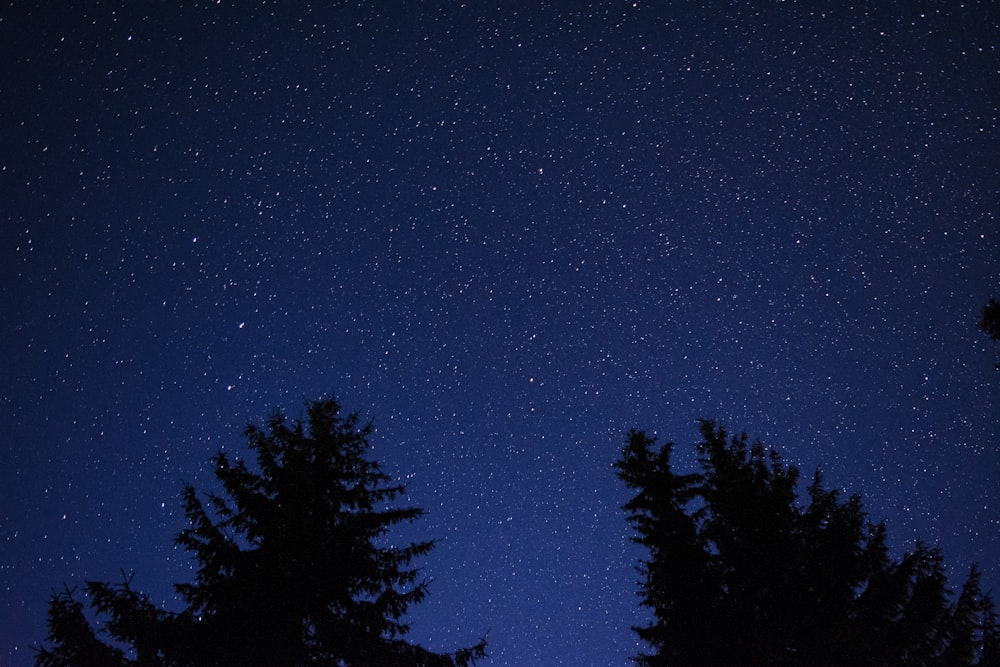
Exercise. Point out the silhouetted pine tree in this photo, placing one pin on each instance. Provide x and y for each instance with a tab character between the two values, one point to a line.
290	567
76	643
739	573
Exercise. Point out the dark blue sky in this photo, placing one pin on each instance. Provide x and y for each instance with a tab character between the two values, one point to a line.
506	235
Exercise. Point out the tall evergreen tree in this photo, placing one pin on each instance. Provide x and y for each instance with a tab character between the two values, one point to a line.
291	567
740	572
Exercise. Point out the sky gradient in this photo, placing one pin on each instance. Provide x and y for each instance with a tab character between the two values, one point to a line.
505	233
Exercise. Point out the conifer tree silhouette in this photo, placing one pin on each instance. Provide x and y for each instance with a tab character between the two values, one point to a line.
740	573
291	570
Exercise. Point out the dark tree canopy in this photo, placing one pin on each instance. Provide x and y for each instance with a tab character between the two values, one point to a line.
741	573
291	571
989	321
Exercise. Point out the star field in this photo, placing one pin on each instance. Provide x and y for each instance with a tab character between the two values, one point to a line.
506	235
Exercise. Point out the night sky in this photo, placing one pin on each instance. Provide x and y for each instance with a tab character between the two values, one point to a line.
505	233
